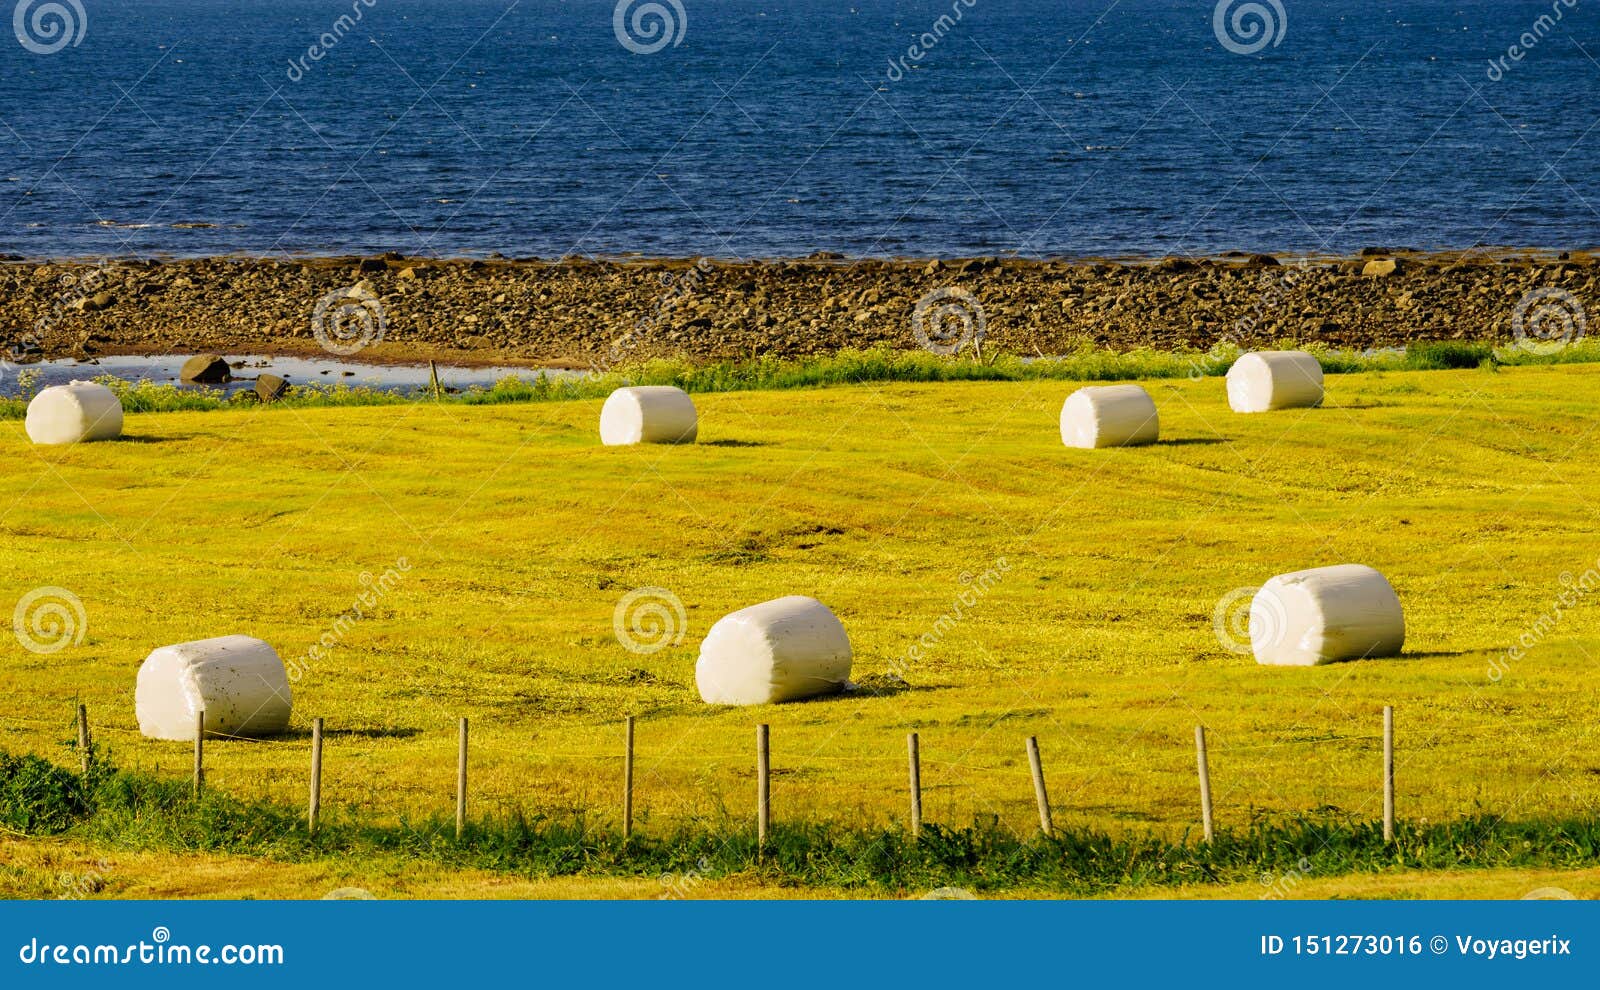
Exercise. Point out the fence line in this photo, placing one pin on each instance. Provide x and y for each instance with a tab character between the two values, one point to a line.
763	774
67	724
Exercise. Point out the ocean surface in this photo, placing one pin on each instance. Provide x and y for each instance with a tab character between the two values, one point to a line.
755	128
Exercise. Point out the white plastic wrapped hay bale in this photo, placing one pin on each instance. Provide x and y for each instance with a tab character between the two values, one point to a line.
238	681
782	650
648	414
1265	380
74	413
1326	614
1109	416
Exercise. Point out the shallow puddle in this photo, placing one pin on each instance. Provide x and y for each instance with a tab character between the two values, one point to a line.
163	369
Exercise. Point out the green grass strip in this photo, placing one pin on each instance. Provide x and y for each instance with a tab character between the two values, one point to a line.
138	811
844	368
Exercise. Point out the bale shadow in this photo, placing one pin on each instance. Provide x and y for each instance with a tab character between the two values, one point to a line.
1194	441
145	438
392	733
872	686
880	686
1431	654
734	443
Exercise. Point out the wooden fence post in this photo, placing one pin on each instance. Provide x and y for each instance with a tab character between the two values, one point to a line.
199	752
763	784
1388	773
83	738
627	783
914	763
1039	792
1205	782
315	810
461	782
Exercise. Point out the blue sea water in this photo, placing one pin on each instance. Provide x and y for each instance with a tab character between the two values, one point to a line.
761	128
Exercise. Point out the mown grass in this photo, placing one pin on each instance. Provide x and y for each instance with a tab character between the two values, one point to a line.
844	368
119	810
1472	490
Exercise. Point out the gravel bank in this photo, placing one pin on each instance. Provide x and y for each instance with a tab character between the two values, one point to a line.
588	312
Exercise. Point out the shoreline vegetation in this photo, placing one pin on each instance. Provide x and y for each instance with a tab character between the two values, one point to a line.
850	367
612	312
117	809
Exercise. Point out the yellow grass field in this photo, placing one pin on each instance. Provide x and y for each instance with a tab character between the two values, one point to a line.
1090	580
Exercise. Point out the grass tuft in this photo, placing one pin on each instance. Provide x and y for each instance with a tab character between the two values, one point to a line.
39	798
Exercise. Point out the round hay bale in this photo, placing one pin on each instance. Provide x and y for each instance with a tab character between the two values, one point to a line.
74	413
1265	380
1326	614
648	414
238	681
1109	416
781	650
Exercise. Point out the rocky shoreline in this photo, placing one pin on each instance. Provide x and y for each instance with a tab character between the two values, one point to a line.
586	313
